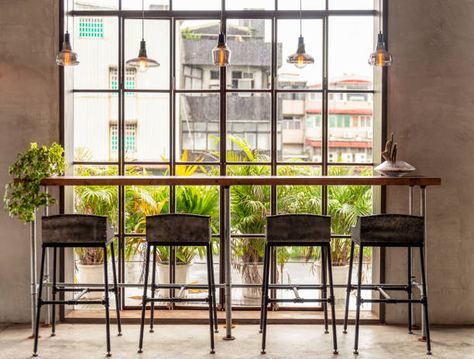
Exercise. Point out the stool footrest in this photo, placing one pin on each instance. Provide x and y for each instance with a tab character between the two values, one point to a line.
297	286
179	286
392	301
402	287
299	300
175	299
72	302
80	289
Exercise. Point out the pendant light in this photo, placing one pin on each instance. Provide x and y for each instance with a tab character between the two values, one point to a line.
142	62
380	57
67	57
221	53
300	59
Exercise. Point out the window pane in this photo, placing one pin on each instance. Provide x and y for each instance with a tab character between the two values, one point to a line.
298	199
157	44
299	122
250	4
351	126
95	39
149	112
289	76
351	4
94	5
149	5
248	127
305	4
196	5
195	40
350	38
250	43
197	132
95	113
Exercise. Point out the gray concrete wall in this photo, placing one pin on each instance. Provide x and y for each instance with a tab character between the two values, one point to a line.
28	113
431	112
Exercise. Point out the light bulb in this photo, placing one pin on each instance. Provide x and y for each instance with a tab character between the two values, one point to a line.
380	57
221	53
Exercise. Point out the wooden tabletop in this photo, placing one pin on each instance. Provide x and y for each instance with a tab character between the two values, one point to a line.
239	180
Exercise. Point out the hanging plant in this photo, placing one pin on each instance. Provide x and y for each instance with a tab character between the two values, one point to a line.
23	195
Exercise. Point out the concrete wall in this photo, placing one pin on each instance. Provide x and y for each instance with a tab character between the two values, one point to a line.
431	112
28	112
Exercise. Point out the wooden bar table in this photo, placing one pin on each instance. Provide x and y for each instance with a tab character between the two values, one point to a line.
225	182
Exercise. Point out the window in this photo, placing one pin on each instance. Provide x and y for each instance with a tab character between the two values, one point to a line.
130	138
177	119
192	78
91	28
242	80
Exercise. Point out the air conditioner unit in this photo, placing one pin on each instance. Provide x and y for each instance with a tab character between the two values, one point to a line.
347	157
360	157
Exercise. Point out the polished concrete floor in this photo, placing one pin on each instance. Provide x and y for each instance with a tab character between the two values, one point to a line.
192	341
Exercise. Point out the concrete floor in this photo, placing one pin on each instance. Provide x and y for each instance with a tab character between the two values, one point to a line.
192	341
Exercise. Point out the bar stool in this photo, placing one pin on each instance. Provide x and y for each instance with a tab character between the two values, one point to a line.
388	230
74	231
175	230
298	230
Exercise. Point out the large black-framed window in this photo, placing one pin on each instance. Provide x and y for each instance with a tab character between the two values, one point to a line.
312	122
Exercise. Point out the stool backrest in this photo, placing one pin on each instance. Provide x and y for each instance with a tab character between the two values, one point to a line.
304	229
178	229
76	228
392	229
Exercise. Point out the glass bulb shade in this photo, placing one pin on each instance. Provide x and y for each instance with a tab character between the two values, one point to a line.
300	58
221	53
142	62
66	57
380	57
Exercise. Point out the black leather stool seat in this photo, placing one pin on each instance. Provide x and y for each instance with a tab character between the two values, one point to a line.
178	229
77	228
389	230
298	228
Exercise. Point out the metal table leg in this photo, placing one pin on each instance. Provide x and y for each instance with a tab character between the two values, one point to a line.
47	274
423	214
411	209
227	265
33	274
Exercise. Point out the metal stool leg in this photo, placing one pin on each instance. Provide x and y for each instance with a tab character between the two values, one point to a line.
265	296
116	290
214	297
53	313
333	304
425	301
409	292
264	280
39	303
153	283
348	289
144	298
107	302
359	284
210	295
324	292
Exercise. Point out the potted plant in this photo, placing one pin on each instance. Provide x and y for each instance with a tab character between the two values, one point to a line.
24	195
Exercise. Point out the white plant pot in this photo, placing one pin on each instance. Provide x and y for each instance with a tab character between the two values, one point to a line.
91	273
181	276
339	274
252	294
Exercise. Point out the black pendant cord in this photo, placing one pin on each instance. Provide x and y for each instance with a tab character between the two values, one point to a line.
380	16
301	19
67	15
222	21
143	20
